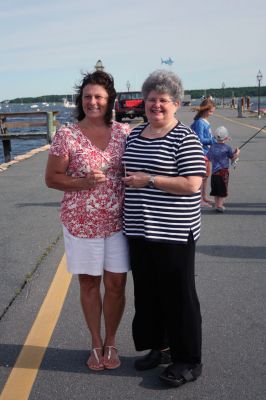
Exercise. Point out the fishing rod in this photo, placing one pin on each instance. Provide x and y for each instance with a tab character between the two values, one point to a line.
246	142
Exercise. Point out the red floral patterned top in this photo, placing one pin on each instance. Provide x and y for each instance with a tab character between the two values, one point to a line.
95	212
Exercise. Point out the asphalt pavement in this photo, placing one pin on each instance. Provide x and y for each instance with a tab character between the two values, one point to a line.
230	277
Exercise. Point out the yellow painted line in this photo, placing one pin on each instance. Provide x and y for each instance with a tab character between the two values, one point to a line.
24	372
238	122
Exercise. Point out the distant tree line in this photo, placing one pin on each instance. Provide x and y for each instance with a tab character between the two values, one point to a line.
228	92
53	98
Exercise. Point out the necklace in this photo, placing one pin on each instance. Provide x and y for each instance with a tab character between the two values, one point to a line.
164	129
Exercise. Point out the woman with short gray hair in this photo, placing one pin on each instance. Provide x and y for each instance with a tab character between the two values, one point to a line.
163	82
164	166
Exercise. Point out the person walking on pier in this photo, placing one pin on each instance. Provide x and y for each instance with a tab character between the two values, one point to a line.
220	155
202	127
85	163
164	164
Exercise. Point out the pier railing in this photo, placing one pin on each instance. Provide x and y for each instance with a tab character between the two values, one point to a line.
46	119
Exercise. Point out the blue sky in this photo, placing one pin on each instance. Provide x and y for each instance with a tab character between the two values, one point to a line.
46	45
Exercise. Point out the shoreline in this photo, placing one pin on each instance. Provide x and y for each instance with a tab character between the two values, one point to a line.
17	159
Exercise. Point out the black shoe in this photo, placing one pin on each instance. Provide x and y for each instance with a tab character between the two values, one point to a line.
178	374
153	359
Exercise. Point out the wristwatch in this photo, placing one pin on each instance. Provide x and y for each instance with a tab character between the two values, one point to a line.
151	181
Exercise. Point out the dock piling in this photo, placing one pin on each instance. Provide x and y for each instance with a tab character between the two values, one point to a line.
38	119
51	127
6	142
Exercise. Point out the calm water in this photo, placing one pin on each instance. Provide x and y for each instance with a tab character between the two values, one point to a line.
20	146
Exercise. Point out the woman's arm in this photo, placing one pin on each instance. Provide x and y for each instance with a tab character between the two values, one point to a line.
56	177
203	132
176	185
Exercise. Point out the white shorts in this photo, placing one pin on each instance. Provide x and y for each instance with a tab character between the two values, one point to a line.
93	256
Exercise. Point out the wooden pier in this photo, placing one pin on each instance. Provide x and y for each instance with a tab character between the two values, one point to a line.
46	119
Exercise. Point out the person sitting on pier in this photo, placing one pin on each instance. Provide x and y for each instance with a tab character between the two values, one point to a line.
85	163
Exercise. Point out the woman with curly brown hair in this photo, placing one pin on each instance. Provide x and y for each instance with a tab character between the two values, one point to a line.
85	163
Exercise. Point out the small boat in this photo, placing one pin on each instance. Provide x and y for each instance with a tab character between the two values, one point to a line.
34	106
68	104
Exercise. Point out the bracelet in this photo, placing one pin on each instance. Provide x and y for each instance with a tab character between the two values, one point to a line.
151	181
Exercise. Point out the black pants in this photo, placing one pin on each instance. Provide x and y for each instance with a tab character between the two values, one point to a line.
167	309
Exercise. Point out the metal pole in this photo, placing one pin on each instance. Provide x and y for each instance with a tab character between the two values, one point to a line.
223	86
259	100
259	78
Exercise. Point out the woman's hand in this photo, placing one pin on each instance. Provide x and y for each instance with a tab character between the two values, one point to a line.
95	177
181	185
136	179
56	176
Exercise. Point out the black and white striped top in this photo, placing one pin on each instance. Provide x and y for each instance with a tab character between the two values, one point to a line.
153	213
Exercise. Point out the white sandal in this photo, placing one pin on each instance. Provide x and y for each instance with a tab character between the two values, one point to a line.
100	363
110	350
